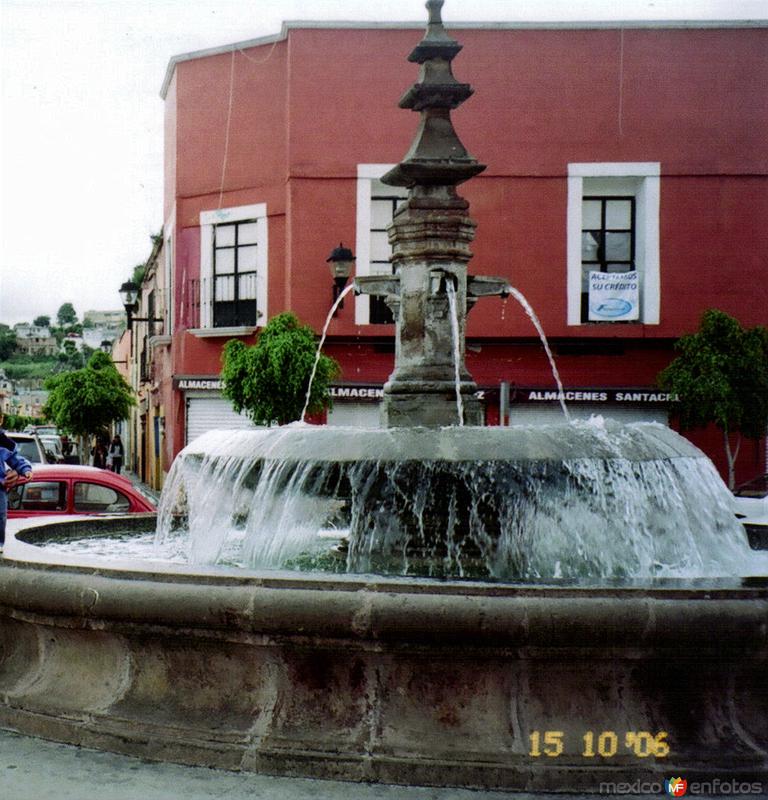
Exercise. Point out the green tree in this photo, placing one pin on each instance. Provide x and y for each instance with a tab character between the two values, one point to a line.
7	342
66	315
88	400
137	276
269	379
721	377
42	321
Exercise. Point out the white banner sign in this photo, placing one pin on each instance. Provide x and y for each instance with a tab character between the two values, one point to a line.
614	296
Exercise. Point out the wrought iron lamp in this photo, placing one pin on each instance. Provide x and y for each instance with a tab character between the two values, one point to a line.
341	261
129	294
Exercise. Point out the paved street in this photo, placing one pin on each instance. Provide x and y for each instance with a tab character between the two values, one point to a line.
32	769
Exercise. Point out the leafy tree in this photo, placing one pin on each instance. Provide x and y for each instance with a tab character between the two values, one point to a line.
137	276
269	380
42	321
721	377
88	400
7	342
66	315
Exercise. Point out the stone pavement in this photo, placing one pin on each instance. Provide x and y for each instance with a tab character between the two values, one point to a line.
34	769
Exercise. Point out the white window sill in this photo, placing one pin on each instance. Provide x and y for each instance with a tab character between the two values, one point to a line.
159	341
210	333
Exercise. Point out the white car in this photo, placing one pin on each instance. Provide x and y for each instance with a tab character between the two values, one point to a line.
29	446
750	504
52	446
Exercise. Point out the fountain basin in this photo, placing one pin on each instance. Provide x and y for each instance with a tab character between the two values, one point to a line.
365	678
585	499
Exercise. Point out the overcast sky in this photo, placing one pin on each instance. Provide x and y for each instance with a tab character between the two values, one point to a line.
81	118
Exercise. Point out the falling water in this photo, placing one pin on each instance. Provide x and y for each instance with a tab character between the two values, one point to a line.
521	298
334	307
575	500
451	291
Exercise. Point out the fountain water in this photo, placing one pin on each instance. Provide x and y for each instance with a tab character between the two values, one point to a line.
603	666
454	312
523	301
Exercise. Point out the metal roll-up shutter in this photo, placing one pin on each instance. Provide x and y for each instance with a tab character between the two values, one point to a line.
355	415
212	413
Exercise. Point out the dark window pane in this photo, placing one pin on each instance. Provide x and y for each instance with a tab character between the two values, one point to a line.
380	313
39	496
234	314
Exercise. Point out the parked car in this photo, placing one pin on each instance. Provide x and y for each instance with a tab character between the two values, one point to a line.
42	430
750	503
70	489
52	445
29	446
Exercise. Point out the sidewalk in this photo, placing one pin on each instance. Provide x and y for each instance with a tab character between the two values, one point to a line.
34	769
145	488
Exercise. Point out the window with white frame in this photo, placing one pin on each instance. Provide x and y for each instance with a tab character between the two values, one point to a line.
376	204
233	267
613	227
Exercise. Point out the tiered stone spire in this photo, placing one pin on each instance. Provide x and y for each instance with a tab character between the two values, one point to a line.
430	237
437	156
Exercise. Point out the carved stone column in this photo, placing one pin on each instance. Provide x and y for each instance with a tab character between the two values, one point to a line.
430	236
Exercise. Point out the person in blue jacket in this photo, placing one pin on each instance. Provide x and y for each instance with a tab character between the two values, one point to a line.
14	469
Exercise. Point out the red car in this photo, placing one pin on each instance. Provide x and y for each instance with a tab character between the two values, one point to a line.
70	489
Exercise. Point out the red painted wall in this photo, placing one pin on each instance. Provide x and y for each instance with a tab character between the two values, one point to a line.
304	112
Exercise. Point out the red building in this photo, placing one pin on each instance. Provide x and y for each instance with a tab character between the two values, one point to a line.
634	148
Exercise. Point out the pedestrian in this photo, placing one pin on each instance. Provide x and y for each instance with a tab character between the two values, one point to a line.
14	470
99	456
116	453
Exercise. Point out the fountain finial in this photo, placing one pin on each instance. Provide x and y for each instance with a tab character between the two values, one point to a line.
436	157
435	30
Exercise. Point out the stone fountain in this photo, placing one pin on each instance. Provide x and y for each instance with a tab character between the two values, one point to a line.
430	237
609	664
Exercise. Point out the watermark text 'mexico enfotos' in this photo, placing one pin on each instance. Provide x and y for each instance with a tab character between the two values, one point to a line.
678	787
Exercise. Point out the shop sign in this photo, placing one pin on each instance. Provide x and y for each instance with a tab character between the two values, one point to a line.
614	296
205	384
615	396
368	393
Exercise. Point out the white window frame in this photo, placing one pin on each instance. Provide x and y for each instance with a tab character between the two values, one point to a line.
641	179
208	220
366	174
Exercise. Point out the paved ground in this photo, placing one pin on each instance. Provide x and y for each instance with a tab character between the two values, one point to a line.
33	769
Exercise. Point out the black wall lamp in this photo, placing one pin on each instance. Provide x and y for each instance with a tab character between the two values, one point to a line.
341	261
129	294
106	347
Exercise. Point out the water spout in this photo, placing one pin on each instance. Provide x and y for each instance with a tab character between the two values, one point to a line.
451	292
521	298
334	307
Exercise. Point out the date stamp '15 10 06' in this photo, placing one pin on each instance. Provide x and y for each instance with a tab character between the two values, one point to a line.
605	744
